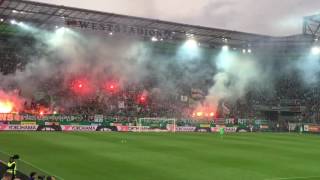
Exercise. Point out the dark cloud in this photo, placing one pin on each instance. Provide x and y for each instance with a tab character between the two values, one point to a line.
272	17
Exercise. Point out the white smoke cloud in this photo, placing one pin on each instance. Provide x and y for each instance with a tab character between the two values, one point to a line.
64	55
237	74
309	69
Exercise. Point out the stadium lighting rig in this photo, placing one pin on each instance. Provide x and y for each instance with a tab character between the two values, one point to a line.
191	43
13	22
61	30
315	50
154	39
189	35
190	49
225	40
225	48
245	51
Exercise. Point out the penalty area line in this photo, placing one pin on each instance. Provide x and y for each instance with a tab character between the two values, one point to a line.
59	178
293	178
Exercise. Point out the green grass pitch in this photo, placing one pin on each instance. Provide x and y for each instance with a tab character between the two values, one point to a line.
169	156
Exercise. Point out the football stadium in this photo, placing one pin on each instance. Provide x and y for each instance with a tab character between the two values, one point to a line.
94	95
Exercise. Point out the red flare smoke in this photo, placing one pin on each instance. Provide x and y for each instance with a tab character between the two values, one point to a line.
9	102
81	86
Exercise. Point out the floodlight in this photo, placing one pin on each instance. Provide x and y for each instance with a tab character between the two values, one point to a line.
225	48
154	39
315	50
13	21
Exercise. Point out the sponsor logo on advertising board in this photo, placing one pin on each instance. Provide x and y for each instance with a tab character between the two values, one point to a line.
264	126
226	129
52	123
202	130
204	125
139	129
121	128
314	128
78	128
48	129
105	129
185	129
18	127
28	123
171	127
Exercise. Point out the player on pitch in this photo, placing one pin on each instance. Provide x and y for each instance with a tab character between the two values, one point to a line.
221	132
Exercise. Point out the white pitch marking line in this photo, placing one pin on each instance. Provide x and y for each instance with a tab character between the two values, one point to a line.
288	178
42	170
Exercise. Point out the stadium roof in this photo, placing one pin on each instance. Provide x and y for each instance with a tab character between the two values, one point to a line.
49	16
45	15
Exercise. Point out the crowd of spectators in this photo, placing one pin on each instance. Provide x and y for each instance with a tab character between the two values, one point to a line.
33	176
136	100
12	56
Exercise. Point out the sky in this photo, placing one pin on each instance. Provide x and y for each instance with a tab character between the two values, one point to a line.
269	17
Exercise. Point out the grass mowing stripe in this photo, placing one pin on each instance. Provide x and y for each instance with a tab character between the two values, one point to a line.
293	178
161	156
32	165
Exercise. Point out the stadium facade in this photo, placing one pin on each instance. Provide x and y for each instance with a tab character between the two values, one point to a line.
262	83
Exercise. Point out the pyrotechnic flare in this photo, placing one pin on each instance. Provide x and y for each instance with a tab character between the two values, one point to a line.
6	106
9	102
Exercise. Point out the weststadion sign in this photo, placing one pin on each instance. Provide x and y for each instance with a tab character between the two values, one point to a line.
120	28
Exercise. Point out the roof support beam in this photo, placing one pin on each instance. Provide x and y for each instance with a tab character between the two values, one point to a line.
311	25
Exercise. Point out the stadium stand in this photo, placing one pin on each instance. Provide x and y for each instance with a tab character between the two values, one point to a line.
128	106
